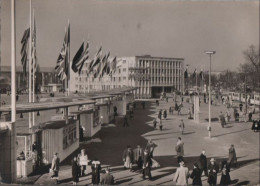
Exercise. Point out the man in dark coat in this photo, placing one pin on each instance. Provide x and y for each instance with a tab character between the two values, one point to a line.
107	178
125	122
196	175
96	168
204	163
179	150
213	171
232	157
138	156
225	176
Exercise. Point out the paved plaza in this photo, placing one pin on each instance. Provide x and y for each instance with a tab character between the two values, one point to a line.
108	146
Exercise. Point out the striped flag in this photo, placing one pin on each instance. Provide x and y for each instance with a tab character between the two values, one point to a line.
96	60
34	57
80	58
62	61
97	70
105	64
24	49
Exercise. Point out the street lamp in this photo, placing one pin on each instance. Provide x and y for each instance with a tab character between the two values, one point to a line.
210	53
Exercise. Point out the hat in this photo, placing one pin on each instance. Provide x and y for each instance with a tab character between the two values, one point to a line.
181	163
56	153
212	159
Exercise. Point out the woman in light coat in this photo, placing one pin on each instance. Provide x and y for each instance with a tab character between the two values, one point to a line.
182	174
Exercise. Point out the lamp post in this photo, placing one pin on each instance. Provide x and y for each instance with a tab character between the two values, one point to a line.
210	53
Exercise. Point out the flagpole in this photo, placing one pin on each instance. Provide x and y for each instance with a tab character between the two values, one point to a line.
196	82
30	66
69	66
13	96
33	80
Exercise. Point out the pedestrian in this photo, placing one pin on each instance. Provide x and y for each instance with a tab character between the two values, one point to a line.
143	103
138	156
125	122
196	175
55	167
160	114
75	171
179	150
83	162
150	147
157	102
96	168
170	110
176	106
250	115
181	175
147	163
213	171
204	163
115	112
160	125
128	158
240	106
181	127
192	108
189	113
107	178
225	176
154	123
165	114
232	157
166	99
222	120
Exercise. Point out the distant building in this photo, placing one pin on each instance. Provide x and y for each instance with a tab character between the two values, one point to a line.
152	75
46	76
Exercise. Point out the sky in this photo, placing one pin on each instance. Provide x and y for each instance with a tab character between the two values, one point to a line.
161	28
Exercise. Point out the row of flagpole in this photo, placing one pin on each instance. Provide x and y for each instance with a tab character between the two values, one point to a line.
195	75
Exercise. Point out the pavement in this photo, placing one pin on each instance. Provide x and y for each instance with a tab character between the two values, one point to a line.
108	146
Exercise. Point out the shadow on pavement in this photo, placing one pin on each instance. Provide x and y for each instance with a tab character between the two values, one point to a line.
231	132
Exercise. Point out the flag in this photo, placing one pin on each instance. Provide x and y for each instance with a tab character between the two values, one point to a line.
186	74
80	58
97	70
113	66
24	49
194	73
34	57
201	75
62	61
105	64
96	60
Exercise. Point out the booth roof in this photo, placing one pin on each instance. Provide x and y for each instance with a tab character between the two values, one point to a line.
32	107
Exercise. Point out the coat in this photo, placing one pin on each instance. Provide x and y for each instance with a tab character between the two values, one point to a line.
180	148
203	161
181	176
213	175
128	153
136	154
232	157
107	179
55	164
75	171
225	177
96	168
196	176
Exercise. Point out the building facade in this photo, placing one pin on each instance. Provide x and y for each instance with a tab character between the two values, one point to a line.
151	75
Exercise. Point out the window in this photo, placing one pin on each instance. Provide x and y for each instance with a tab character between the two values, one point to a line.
124	78
119	70
76	78
124	61
69	135
124	69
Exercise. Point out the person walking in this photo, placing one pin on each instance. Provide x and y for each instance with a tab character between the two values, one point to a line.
181	175
147	163
225	176
232	157
154	123
75	171
125	121
160	125
204	163
107	178
250	115
165	114
55	167
181	127
189	114
160	114
170	110
240	106
213	171
143	103
196	175
128	157
96	168
138	156
179	150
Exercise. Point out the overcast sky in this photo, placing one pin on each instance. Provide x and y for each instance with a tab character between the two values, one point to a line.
181	29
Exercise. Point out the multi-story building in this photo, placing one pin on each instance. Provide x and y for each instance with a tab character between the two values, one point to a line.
151	75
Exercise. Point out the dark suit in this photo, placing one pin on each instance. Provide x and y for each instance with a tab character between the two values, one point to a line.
204	164
107	179
138	156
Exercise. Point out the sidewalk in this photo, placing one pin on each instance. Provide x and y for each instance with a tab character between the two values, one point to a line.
109	143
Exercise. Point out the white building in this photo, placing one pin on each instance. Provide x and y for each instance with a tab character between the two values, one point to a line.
152	75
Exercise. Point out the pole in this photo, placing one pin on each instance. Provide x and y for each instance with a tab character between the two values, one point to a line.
210	95
33	75
196	82
30	66
13	94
